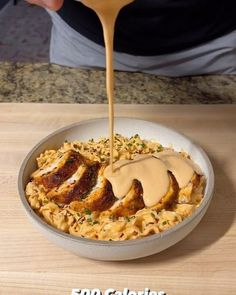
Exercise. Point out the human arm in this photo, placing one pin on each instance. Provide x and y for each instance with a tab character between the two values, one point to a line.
50	4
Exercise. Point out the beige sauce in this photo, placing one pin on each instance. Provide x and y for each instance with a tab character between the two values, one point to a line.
182	168
151	171
107	11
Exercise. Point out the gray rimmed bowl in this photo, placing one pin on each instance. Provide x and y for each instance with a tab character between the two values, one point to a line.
123	250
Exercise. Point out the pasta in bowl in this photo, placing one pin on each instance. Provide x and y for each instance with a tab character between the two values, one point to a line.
70	192
84	210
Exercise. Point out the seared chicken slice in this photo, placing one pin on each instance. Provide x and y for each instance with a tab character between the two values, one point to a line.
78	186
75	180
100	198
187	194
131	203
169	199
59	171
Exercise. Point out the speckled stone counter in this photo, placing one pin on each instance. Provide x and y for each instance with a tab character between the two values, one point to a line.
55	84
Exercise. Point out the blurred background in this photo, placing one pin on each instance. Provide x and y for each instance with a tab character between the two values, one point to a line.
24	32
27	76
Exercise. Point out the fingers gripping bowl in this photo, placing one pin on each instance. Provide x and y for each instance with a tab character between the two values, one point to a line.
117	249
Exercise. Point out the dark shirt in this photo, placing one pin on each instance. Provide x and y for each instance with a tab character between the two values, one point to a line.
155	27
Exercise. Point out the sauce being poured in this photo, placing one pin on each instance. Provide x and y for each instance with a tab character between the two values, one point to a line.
150	170
107	11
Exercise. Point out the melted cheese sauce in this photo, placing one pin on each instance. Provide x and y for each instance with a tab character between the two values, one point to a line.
151	171
107	11
182	168
145	168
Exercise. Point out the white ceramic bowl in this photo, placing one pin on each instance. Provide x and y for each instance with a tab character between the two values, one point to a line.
123	250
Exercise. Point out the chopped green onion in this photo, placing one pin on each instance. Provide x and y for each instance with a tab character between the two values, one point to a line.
87	211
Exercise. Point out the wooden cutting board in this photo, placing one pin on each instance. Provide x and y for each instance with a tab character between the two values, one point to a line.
203	263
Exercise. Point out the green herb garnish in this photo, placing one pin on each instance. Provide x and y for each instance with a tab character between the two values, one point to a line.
153	215
159	149
87	211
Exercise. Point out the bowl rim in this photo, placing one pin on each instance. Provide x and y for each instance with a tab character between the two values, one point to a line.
21	190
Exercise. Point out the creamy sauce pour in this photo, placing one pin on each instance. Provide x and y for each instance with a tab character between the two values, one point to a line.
150	170
107	11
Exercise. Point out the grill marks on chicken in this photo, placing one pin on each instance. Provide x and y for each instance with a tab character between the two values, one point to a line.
75	180
84	185
55	174
78	186
101	198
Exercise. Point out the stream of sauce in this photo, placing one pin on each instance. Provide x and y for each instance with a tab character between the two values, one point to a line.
150	170
107	11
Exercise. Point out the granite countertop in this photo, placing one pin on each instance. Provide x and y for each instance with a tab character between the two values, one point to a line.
41	82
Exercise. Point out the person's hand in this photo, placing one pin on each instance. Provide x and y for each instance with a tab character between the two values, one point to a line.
50	4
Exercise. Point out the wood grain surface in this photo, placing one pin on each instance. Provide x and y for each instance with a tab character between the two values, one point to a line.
203	263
